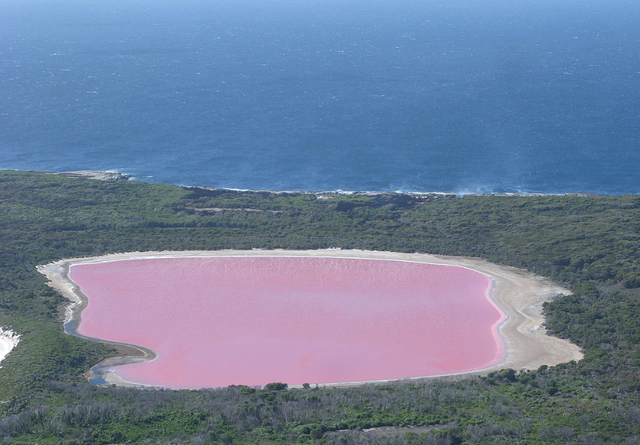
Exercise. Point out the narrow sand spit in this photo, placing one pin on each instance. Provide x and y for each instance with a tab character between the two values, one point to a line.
8	341
518	293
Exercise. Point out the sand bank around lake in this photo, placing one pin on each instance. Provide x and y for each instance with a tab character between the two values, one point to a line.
519	294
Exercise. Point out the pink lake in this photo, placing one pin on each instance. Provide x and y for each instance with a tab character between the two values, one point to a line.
219	321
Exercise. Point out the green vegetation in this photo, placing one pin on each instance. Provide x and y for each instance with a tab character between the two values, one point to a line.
589	243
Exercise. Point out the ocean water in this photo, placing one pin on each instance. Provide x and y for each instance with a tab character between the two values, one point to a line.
457	96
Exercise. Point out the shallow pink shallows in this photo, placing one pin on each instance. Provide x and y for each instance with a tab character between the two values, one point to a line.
254	320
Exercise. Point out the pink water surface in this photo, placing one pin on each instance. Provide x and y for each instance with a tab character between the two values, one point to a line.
254	320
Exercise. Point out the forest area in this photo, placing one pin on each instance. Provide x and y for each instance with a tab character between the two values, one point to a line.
589	244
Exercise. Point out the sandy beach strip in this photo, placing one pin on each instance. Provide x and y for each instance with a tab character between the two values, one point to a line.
518	293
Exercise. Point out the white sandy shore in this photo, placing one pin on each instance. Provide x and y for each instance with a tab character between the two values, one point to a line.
518	293
8	341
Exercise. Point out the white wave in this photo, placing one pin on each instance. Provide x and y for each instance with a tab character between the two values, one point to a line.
8	341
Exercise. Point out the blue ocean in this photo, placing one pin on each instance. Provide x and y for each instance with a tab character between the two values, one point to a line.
530	96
